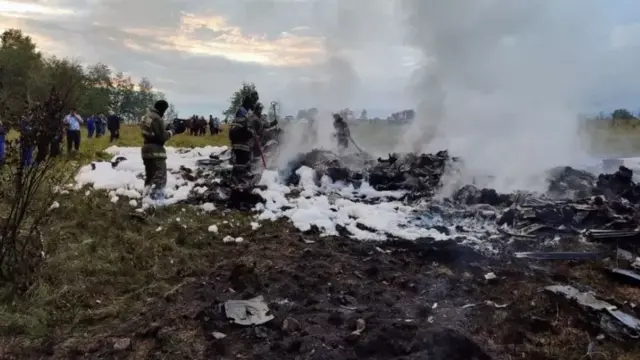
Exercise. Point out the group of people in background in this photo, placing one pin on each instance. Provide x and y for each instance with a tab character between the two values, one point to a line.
72	128
197	125
96	126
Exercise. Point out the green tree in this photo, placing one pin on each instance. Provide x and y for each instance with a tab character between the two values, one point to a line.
144	97
622	114
20	68
66	77
123	96
99	90
235	101
171	113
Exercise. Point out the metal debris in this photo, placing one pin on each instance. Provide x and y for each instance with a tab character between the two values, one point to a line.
626	275
602	234
248	312
582	298
490	276
600	255
588	301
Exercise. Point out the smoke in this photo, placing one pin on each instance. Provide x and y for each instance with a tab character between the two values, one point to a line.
500	83
331	84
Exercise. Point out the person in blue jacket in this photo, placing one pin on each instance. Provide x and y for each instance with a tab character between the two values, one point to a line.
3	133
99	126
91	126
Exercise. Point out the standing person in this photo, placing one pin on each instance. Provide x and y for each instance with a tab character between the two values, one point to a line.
216	125
193	124
26	140
113	124
3	134
99	127
73	122
202	128
241	136
103	124
91	126
211	125
154	155
342	134
56	142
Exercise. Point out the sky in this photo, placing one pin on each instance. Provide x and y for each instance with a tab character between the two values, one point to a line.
344	53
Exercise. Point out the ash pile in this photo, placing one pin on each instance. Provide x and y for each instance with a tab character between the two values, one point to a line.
577	202
418	175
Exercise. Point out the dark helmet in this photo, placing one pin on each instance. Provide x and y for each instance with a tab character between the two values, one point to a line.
161	106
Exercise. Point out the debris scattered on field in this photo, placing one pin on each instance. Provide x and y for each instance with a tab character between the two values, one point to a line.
490	276
628	276
563	255
54	205
213	229
122	344
360	326
589	301
218	335
248	312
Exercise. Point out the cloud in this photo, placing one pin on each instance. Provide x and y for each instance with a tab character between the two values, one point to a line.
298	52
335	53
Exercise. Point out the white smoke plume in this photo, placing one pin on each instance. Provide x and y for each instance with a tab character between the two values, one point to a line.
331	83
501	82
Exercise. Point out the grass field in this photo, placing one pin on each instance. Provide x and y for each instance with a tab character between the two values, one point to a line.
103	263
106	265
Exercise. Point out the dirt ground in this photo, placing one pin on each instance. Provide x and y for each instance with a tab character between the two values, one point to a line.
416	300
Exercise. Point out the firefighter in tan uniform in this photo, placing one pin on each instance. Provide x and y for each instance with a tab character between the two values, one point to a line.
154	156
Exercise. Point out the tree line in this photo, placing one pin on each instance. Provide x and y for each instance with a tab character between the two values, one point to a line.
27	77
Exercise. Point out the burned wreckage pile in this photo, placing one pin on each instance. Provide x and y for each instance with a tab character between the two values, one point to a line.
601	211
418	175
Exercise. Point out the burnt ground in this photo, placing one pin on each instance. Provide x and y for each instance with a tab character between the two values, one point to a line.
415	299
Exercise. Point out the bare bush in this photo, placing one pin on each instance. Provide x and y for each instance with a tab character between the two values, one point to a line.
30	180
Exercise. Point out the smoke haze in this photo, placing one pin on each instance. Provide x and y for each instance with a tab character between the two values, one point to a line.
500	83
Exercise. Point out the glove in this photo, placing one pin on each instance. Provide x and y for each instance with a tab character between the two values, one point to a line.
179	126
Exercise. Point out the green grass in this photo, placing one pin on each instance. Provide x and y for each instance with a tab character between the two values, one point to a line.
103	261
130	136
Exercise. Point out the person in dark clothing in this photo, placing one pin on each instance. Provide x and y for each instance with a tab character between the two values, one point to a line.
154	155
26	141
212	125
55	148
113	124
241	136
342	133
91	126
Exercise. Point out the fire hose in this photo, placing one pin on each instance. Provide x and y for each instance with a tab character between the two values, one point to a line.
355	144
264	162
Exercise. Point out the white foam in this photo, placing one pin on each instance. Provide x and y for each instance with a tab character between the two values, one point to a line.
127	178
367	214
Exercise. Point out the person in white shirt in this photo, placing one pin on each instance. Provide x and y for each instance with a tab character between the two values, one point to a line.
73	122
